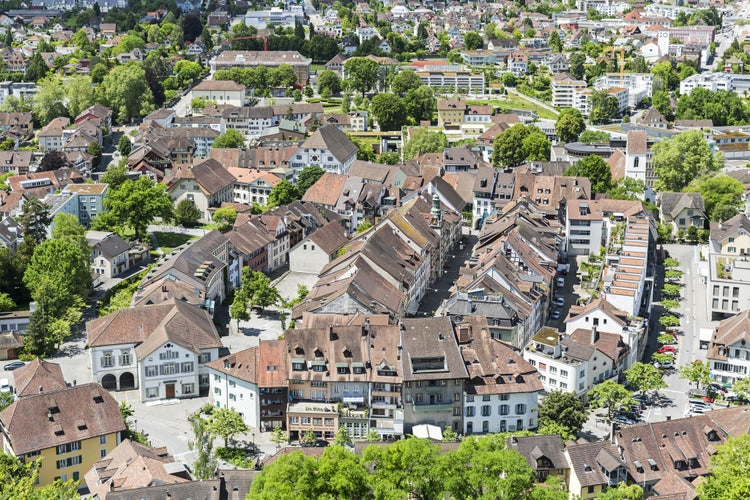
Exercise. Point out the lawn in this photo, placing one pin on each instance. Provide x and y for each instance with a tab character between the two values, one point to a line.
168	241
516	102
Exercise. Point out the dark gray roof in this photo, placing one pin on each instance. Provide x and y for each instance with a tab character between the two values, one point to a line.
196	490
111	246
721	230
535	447
673	203
431	338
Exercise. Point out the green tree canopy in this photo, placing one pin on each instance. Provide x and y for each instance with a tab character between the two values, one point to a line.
564	409
519	144
225	423
224	217
389	110
570	124
307	177
423	140
590	136
697	372
611	395
124	145
604	107
361	73
644	377
329	80
627	188
420	103
596	169
283	193
404	81
136	204
186	213
18	480
722	107
719	192
232	138
730	471
682	158
127	92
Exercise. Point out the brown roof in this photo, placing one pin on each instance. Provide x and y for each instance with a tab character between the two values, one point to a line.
272	354
587	463
326	190
38	376
330	237
431	338
728	332
637	142
330	138
219	85
210	174
242	365
41	421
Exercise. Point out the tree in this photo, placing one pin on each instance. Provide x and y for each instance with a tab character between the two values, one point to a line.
472	41
6	303
663	104
66	225
53	160
672	274
569	124
665	338
670	290
742	388
536	147
124	145
563	408
186	214
191	26
361	73
604	107
671	262
341	474
509	80
669	320
730	471
136	204
308	438
720	192
670	304
307	177
36	69
257	290
34	220
680	159
627	188
622	492
363	226
278	437
115	175
389	110
329	80
18	479
697	372
420	103
127	92
79	94
517	144
232	138
393	478
48	102
596	169
555	42
665	77
225	423
483	468
404	81
290	477
98	73
6	399
95	150
342	437
611	395
238	310
422	140
202	444
594	137
576	62
224	217
282	193
722	107
644	377
187	72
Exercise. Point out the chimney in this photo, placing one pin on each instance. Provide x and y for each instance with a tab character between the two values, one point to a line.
366	327
330	331
594	335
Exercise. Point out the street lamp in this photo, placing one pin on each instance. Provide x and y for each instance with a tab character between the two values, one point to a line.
253	434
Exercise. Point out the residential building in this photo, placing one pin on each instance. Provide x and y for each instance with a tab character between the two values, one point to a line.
220	92
262	19
563	90
252	185
731	237
544	454
271	59
317	250
728	353
110	254
502	390
161	350
451	111
83	201
234	384
207	185
132	465
682	210
14	321
452	80
68	428
11	233
595	468
11	343
327	147
434	374
16	162
638	85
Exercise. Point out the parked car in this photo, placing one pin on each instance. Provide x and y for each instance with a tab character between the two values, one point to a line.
560	282
664	366
666	349
4	385
12	366
718	388
556	314
560	302
621	419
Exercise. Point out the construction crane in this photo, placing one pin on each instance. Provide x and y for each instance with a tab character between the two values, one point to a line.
252	37
622	60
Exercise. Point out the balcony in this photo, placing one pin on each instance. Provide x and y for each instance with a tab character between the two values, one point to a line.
425	408
387	394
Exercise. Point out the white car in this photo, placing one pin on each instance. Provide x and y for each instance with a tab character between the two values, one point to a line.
560	282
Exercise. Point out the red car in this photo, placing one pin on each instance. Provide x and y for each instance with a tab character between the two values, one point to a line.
666	349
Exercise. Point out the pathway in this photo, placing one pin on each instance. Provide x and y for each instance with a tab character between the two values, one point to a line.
539	103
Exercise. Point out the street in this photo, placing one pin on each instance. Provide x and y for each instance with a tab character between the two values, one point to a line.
441	289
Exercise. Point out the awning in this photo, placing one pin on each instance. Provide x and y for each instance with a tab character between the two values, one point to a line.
342	365
318	363
298	360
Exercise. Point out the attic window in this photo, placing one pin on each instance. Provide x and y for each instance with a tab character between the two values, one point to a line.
98	399
652	463
81	425
587	468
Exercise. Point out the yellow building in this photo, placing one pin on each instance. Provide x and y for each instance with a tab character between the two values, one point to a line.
731	237
69	428
594	467
451	111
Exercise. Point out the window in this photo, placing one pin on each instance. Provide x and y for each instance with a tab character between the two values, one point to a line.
486	411
169	355
520	409
187	367
69	462
67	448
203	379
503	409
102	439
553	369
107	360
125	358
298	366
418	398
504	397
102	453
169	368
456	411
486	397
469	411
232	397
152	392
187	389
205	357
469	399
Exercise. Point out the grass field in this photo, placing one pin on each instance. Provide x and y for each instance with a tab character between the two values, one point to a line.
516	102
168	241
